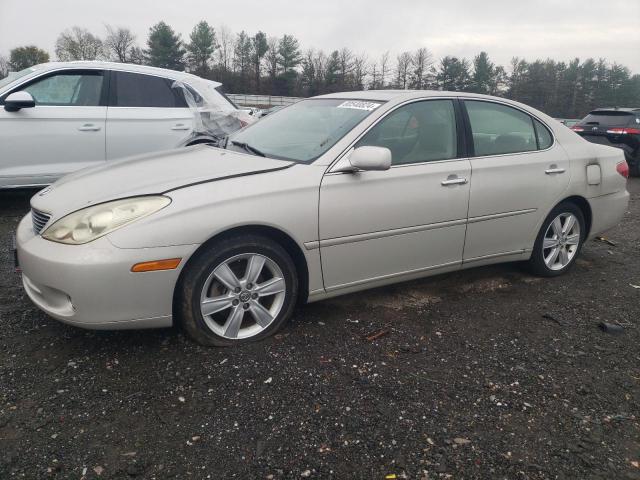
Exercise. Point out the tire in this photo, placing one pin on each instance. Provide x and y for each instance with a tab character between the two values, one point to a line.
544	260
206	286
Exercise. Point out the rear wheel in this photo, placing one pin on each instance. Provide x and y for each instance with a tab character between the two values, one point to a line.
238	290
559	241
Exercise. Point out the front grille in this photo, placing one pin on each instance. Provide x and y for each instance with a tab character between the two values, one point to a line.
40	219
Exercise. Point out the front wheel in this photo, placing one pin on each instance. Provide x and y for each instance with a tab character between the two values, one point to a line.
238	290
559	241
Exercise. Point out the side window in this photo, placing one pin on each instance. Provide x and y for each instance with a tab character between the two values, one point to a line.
499	129
137	90
419	132
68	89
544	136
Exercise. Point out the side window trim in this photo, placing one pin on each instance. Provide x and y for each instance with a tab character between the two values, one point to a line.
468	133
549	131
52	73
461	129
535	133
106	88
111	96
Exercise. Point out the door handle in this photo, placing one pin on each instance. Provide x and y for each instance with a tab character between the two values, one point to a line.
553	169
89	127
180	126
453	181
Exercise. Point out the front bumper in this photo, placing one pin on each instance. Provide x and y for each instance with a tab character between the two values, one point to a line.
92	286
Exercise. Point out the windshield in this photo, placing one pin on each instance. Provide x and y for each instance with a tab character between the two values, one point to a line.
303	131
16	75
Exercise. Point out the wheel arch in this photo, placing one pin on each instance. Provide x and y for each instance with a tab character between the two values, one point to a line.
275	234
584	206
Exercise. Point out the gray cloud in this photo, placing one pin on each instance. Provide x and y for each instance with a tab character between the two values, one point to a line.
504	28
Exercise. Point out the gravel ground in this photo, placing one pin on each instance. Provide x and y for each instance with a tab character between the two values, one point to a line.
483	374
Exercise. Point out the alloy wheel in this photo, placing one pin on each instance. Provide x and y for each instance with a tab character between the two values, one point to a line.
242	296
561	241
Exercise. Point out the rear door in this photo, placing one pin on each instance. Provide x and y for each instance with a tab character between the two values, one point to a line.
64	132
145	114
518	175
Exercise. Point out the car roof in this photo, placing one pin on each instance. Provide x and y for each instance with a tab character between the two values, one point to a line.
388	95
129	67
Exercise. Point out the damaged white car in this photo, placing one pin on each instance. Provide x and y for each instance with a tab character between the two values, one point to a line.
56	118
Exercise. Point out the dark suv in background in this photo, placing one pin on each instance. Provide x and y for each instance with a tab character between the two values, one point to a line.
616	127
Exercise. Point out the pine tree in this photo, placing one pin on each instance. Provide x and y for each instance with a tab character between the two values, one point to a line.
453	74
242	60
259	50
289	53
164	48
483	77
201	47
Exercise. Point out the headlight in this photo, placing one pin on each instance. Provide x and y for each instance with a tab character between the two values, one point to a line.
93	222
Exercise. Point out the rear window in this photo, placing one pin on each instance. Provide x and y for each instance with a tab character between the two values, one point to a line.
611	118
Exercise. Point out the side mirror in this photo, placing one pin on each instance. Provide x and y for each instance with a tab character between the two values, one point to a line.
18	100
370	158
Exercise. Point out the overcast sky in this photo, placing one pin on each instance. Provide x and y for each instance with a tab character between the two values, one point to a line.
560	29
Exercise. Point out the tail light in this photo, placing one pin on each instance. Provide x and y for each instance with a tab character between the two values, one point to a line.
577	129
623	169
624	131
243	123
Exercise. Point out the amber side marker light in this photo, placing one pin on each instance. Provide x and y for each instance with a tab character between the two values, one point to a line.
155	265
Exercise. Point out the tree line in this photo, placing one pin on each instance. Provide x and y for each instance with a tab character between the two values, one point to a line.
262	64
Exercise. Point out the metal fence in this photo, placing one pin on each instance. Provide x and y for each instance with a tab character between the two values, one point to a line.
261	101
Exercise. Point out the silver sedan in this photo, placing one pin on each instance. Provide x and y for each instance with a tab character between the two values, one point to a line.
332	195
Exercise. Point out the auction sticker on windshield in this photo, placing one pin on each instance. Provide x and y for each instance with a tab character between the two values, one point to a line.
359	105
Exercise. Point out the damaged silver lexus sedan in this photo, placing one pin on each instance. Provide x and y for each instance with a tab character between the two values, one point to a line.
332	195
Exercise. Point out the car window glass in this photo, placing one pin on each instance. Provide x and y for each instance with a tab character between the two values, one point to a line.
418	132
499	129
197	98
544	136
137	90
608	118
67	89
305	130
13	76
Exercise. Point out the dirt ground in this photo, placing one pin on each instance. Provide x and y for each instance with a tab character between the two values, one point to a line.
483	374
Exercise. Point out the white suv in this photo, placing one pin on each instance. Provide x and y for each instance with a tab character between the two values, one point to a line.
56	118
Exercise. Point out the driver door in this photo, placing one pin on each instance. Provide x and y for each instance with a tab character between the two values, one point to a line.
64	132
384	226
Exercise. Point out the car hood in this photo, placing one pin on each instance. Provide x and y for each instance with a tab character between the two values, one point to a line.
147	174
